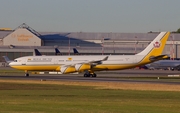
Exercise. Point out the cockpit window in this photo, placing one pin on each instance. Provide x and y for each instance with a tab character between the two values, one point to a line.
15	60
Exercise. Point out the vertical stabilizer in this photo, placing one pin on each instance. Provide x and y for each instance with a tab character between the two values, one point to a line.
37	53
57	52
153	51
75	51
156	47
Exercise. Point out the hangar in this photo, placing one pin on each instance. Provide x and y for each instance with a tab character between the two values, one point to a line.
23	36
22	40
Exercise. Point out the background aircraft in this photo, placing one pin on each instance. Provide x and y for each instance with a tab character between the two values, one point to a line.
165	64
57	52
75	51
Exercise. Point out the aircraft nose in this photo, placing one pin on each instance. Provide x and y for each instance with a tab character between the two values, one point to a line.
11	63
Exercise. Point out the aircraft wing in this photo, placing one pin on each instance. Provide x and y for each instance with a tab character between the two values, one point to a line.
160	57
81	66
88	62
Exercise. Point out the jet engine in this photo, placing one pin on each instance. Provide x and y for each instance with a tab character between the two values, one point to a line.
69	69
82	67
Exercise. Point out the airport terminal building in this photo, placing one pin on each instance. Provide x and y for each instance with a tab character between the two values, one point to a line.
23	40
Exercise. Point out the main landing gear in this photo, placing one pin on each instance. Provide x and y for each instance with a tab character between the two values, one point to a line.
26	74
90	74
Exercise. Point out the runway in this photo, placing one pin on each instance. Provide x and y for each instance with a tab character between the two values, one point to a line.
131	76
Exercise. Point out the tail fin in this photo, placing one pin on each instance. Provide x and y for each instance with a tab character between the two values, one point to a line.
7	59
156	47
37	53
57	51
75	51
153	51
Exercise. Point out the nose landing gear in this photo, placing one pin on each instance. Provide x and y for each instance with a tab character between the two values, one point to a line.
26	73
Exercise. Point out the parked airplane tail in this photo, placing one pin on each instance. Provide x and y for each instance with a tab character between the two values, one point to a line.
57	51
37	53
75	51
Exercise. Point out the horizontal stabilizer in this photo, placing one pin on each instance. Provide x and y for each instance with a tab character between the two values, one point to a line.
160	57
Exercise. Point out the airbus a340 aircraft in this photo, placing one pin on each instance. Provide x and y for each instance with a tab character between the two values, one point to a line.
91	63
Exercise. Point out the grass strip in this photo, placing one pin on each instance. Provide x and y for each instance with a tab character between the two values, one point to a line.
24	96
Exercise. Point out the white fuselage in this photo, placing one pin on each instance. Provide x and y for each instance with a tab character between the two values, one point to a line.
113	62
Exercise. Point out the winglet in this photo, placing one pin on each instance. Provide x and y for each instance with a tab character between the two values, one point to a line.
105	58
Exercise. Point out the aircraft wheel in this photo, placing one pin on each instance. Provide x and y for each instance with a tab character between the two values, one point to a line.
94	75
91	75
172	69
85	75
27	74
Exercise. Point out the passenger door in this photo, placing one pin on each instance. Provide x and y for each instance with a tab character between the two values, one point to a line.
23	62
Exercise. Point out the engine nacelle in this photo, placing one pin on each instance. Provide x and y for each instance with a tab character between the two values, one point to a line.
70	69
82	67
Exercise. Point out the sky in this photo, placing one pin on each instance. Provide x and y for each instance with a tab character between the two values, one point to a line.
121	16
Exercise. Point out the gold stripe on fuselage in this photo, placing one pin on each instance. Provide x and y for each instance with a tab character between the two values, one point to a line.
58	67
38	67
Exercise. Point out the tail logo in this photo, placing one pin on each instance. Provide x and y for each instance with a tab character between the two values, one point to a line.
157	44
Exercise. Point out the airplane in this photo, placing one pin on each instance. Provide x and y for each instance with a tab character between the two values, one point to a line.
165	64
92	63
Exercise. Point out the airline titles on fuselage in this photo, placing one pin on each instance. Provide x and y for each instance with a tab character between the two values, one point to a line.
39	60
